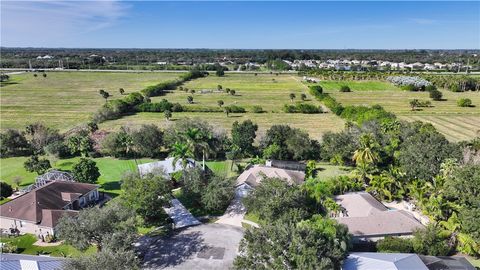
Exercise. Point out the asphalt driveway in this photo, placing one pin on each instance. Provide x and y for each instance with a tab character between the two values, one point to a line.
207	246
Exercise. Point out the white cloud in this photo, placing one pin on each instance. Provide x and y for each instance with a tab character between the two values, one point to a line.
23	22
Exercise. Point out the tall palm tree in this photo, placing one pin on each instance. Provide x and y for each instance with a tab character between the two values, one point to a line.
197	141
366	153
181	151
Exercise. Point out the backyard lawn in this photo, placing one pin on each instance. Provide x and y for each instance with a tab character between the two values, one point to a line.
111	170
25	245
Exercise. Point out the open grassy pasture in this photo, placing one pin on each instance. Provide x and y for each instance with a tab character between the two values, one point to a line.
314	124
454	127
111	170
65	99
456	123
358	85
270	92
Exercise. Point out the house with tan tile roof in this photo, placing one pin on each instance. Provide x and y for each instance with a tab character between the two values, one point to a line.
255	174
38	211
368	219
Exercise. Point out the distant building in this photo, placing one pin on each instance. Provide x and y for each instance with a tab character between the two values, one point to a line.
39	210
369	220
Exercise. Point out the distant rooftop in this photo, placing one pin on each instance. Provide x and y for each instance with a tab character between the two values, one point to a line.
383	261
254	175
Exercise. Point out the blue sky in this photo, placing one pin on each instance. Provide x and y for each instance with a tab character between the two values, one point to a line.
254	25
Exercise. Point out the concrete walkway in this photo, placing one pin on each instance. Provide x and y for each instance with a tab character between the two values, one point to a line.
180	215
234	213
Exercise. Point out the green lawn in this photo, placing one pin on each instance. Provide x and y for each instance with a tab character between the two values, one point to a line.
326	170
222	168
25	245
111	170
65	99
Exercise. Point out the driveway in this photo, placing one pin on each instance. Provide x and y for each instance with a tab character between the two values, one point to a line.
207	246
180	215
236	210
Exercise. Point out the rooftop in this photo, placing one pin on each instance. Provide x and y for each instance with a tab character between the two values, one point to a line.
383	261
254	175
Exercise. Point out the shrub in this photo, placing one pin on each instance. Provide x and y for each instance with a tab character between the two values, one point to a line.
317	89
9	248
159	89
86	171
395	245
155	107
257	109
430	241
236	109
5	190
345	88
464	102
436	95
302	108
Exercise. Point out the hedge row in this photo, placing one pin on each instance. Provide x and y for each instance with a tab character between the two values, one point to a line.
302	108
358	114
158	89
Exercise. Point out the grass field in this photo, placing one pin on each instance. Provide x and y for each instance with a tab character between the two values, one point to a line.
111	170
268	91
65	99
456	123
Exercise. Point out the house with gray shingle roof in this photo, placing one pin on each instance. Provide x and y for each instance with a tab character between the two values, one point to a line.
368	219
30	262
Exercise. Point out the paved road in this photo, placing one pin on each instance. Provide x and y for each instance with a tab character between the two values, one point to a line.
207	246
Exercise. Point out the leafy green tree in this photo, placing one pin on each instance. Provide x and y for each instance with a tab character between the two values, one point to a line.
219	72
273	197
147	195
86	171
147	141
422	154
436	95
39	136
243	136
303	97
395	245
13	143
5	190
345	88
168	114
80	143
219	87
121	91
104	94
414	104
339	148
112	227
232	92
190	99
429	241
117	144
292	97
287	245
218	193
220	103
105	259
35	164
464	102
194	181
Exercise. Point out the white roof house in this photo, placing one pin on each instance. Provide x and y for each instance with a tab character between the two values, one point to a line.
383	261
166	166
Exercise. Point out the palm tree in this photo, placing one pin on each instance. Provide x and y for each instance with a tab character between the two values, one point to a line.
292	97
383	186
197	140
190	99
121	91
219	87
220	103
303	97
181	151
366	154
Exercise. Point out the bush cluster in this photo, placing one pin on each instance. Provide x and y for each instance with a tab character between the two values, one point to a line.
302	108
464	102
161	106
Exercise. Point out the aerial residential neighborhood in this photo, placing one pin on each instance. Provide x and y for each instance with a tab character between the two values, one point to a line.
269	135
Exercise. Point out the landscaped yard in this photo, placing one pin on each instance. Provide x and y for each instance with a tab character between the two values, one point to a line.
326	170
65	99
25	245
111	170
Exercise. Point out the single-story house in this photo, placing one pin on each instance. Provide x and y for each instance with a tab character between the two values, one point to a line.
368	219
38	211
403	261
30	262
255	174
166	167
383	261
446	263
